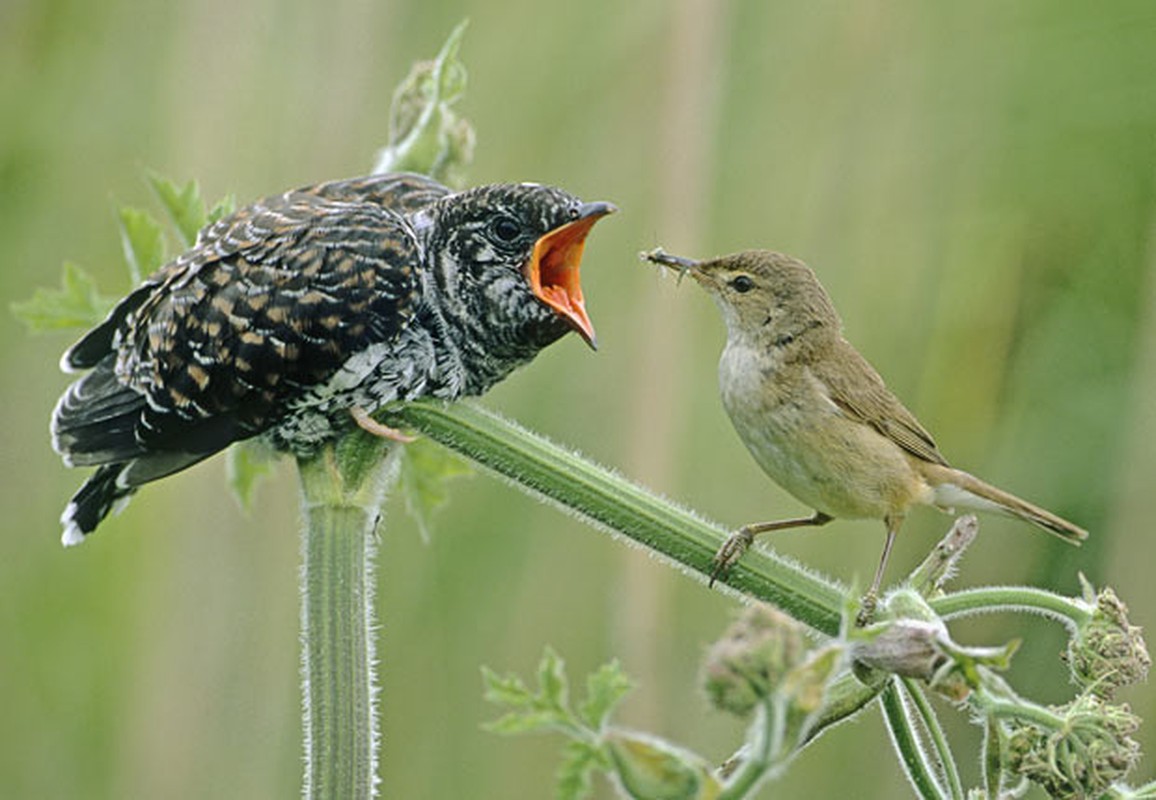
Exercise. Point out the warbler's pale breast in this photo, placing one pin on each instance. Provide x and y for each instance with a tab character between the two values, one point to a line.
785	416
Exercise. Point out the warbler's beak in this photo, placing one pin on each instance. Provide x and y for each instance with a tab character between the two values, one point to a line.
684	266
553	268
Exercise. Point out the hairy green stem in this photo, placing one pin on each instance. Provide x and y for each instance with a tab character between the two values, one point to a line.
1070	612
908	745
609	501
935	732
845	697
342	489
1022	709
760	758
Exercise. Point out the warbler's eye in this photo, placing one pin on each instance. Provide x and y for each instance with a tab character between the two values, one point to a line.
506	229
742	284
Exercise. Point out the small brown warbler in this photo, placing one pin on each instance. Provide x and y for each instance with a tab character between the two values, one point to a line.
818	418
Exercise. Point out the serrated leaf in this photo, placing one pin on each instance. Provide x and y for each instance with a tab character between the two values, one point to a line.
247	464
532	710
426	470
143	242
508	690
579	760
604	688
525	722
77	304
552	680
183	204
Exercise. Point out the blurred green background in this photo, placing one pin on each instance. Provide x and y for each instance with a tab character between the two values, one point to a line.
974	182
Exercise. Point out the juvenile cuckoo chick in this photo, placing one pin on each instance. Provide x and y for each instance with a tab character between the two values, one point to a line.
305	312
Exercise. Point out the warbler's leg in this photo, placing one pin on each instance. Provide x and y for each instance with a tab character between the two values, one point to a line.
871	599
370	425
741	540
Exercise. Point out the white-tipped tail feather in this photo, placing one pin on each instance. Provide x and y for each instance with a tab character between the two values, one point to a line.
72	535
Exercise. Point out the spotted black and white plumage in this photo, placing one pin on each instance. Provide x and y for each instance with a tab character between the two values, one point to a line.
294	310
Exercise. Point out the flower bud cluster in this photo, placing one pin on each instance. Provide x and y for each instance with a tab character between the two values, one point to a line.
1107	652
1090	749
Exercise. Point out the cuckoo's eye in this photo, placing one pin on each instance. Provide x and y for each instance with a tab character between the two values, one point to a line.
742	284
506	229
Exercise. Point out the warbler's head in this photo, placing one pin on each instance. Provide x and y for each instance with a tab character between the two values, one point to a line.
762	294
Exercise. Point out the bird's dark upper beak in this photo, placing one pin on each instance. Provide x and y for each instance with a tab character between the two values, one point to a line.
553	268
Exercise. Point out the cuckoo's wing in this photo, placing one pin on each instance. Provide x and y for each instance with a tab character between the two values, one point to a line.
268	305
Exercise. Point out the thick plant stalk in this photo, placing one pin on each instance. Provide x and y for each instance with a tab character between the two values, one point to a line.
342	491
611	502
343	487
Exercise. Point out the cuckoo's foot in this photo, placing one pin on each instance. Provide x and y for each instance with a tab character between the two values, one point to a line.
370	425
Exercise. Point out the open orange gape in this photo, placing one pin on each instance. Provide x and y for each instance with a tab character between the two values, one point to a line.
553	268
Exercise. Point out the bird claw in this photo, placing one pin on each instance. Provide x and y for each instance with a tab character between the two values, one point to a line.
867	608
731	551
370	425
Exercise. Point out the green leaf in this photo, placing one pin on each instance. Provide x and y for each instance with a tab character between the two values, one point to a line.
552	680
525	722
506	691
604	688
184	206
223	208
578	761
247	464
426	470
77	304
544	709
143	242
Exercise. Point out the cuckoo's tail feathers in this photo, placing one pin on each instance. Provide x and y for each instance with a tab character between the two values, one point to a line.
99	496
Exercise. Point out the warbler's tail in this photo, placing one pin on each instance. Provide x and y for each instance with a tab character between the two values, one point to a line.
954	487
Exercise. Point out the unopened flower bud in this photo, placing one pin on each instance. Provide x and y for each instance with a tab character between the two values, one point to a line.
914	643
904	647
749	662
648	768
